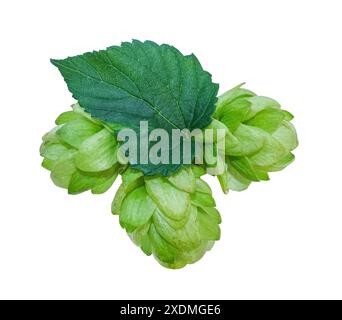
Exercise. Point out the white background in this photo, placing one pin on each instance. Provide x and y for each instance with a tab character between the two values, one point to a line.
280	239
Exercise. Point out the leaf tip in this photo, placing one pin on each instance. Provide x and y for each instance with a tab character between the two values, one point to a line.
54	62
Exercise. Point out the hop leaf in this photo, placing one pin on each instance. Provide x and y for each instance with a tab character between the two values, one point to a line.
172	218
142	81
80	153
259	138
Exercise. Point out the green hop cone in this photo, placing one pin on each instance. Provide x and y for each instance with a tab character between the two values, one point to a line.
259	137
173	218
80	153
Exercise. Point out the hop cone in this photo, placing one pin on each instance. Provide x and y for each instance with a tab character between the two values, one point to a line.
172	218
80	153
259	137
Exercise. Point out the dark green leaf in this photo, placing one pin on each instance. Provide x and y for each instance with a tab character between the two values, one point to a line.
142	81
